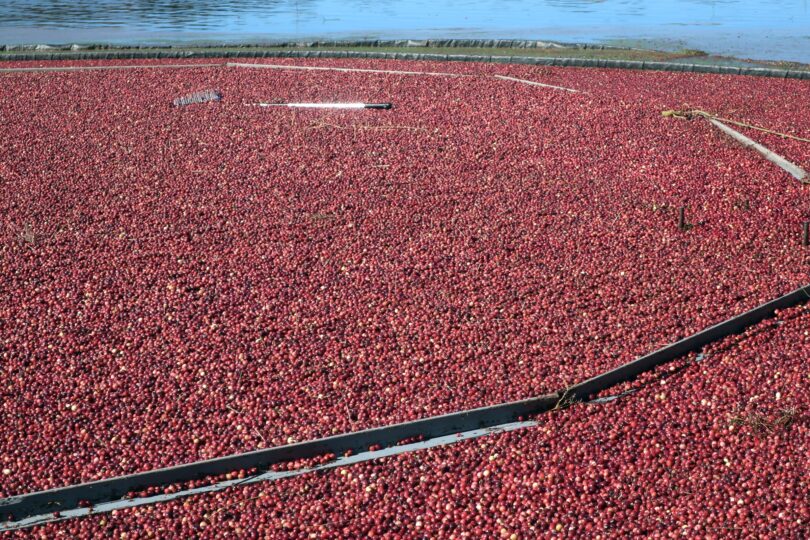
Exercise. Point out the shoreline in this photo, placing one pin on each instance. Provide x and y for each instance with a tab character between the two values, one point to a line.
680	65
450	47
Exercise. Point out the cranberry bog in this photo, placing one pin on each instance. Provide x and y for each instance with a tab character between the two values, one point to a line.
690	450
183	283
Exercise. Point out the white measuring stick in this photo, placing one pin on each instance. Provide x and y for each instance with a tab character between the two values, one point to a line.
329	105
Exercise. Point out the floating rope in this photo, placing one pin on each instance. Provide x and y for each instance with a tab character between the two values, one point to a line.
689	114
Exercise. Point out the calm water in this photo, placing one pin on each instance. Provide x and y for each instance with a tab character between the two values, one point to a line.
765	29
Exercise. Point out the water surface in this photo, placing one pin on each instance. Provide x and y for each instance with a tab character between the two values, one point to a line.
762	29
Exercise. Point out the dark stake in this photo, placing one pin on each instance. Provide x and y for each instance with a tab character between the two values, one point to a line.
682	218
806	233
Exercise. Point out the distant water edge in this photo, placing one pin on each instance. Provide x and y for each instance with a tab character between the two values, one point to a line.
757	29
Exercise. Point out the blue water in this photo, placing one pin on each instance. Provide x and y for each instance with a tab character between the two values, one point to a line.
761	29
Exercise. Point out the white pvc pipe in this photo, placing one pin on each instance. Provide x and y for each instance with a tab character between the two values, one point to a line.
344	70
316	105
105	68
384	106
794	170
533	83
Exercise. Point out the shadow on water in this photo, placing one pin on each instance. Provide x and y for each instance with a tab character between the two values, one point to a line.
773	29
